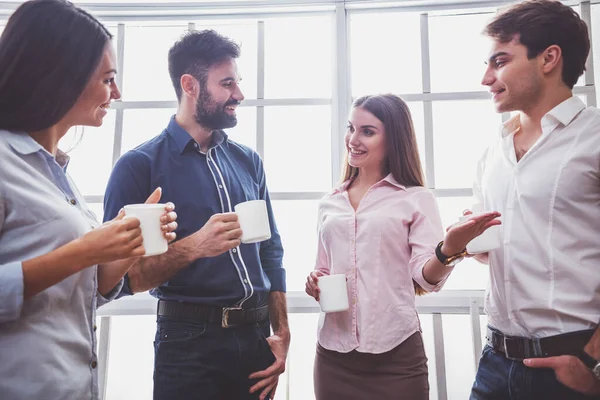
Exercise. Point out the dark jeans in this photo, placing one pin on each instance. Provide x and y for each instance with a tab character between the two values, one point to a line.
204	361
499	378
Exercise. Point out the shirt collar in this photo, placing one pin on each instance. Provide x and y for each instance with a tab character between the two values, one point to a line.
564	113
183	139
24	144
388	179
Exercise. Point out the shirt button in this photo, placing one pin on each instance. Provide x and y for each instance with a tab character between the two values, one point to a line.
234	250
196	145
94	364
73	201
245	280
220	186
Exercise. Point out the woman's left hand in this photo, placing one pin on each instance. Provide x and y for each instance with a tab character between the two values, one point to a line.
167	220
461	233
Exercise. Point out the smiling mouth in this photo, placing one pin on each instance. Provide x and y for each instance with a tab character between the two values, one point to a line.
357	152
105	106
497	92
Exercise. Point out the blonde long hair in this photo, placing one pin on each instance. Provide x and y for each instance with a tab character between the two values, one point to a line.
403	160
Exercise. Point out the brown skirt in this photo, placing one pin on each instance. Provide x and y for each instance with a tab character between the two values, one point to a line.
399	374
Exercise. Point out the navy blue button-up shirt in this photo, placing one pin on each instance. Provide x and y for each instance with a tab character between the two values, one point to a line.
201	185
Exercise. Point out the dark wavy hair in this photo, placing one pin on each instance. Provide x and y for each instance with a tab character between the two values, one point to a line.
195	52
540	24
48	52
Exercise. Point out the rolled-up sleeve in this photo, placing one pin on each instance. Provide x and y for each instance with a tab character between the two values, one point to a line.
11	291
322	264
426	231
110	296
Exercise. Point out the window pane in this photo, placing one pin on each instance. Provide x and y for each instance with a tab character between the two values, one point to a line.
146	73
140	126
469	274
298	57
298	148
98	210
131	357
297	224
91	151
385	51
452	68
301	356
462	131
245	34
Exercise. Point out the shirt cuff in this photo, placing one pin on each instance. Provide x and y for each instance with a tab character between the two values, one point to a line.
420	279
11	291
110	296
277	278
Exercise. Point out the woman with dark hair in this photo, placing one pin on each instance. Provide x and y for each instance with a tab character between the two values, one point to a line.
57	264
380	228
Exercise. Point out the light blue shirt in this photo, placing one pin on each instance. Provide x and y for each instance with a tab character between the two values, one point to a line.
48	342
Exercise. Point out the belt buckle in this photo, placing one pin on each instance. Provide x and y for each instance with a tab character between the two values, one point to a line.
225	316
509	349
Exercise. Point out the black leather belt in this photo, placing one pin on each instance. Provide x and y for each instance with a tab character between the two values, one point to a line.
519	348
227	316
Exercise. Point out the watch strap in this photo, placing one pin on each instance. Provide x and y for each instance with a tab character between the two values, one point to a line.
588	360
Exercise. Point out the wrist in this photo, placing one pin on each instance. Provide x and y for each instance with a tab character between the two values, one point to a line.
284	334
449	251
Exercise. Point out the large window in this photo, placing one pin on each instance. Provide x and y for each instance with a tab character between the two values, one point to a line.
294	63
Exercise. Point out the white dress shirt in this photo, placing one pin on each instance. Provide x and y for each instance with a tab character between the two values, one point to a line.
47	342
545	277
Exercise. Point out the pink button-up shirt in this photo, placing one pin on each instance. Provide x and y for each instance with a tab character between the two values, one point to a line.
381	247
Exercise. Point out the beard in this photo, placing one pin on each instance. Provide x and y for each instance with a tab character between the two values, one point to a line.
212	114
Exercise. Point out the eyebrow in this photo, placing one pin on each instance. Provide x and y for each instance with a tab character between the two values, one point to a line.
365	126
230	78
496	55
110	71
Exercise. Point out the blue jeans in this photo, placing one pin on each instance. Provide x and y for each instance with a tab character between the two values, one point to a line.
499	378
195	360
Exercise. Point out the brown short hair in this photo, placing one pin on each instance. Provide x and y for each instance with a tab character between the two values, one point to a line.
540	24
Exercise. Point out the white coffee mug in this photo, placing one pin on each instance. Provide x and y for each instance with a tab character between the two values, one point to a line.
254	221
149	215
489	240
333	295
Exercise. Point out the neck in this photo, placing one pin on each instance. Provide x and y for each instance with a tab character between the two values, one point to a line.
369	177
531	117
49	138
201	134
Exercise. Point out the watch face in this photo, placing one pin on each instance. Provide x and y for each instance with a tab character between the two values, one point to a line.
596	370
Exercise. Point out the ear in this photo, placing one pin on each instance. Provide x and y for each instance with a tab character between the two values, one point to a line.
551	58
189	85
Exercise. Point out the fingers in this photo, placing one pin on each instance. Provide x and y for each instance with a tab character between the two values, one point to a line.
269	392
130	223
170	236
155	196
466	211
119	216
549	362
170	227
234	234
225	217
265	373
170	216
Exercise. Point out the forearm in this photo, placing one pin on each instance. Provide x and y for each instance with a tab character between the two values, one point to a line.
150	272
434	271
110	274
49	269
278	314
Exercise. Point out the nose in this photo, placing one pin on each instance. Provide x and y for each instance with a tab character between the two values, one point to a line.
237	94
115	93
353	139
488	77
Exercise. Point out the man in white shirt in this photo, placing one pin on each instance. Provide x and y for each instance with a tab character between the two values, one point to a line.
542	174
